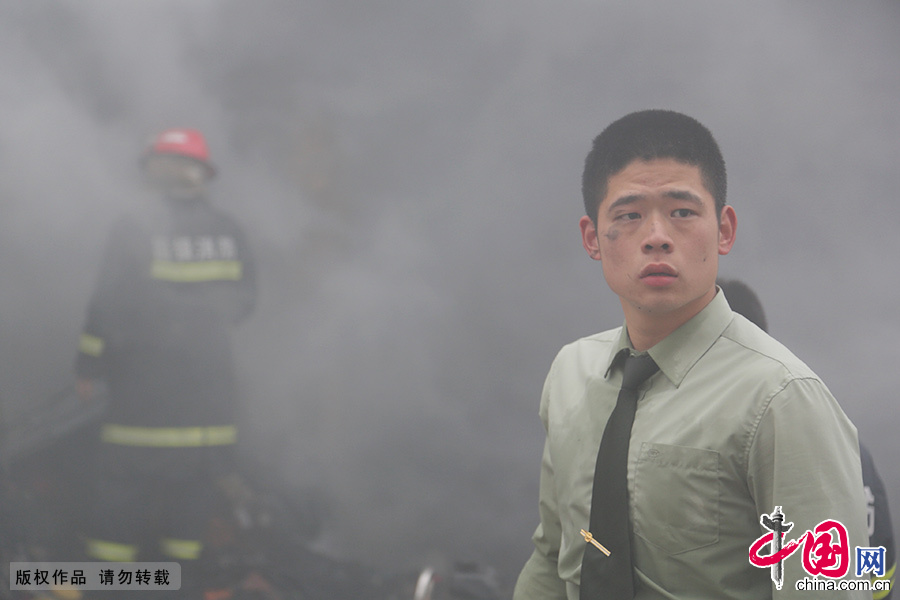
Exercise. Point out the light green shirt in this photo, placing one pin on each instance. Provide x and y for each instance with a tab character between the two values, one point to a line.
732	425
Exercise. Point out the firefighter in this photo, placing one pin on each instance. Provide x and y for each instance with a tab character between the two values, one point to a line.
174	279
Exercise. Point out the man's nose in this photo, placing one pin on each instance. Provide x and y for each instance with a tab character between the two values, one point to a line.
657	237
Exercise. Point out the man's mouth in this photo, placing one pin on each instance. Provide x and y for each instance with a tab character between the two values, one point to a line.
657	270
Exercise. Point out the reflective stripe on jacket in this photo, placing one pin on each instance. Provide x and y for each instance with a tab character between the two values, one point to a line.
168	437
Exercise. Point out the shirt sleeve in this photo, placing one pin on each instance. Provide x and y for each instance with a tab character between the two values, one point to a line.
805	459
539	579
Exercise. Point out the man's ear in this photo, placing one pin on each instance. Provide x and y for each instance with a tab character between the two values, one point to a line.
589	237
727	229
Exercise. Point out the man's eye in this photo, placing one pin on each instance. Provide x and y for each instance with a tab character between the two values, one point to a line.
682	212
629	216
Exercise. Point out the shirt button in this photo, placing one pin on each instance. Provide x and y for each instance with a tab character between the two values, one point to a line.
653	453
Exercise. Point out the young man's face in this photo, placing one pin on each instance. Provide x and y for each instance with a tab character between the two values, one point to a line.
659	239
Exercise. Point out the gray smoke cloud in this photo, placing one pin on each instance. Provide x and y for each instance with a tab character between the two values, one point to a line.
410	175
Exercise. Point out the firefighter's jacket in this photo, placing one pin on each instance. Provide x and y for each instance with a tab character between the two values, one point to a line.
881	531
172	283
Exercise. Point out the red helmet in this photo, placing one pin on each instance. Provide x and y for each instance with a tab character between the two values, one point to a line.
182	142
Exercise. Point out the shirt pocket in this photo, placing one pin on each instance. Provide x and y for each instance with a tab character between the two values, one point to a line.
676	497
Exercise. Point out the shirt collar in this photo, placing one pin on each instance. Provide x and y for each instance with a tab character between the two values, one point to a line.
681	349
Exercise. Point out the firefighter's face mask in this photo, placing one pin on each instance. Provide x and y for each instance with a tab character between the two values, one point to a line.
177	176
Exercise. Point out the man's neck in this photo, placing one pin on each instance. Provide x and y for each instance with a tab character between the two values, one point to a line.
646	329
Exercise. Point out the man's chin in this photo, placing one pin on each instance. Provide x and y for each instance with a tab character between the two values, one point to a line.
666	303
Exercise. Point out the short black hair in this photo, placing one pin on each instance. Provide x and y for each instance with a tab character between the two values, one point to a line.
744	301
648	135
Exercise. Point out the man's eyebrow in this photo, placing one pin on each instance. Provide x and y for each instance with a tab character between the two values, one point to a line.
624	200
673	194
683	195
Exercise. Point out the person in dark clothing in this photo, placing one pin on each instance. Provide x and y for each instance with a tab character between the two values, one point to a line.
174	279
743	300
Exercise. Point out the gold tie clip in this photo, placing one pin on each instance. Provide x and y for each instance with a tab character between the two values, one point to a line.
590	539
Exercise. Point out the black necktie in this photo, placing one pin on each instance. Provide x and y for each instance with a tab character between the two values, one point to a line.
611	577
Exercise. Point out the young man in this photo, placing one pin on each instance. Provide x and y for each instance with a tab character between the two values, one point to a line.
730	426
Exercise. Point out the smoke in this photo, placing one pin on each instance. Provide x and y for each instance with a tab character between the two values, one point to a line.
409	175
